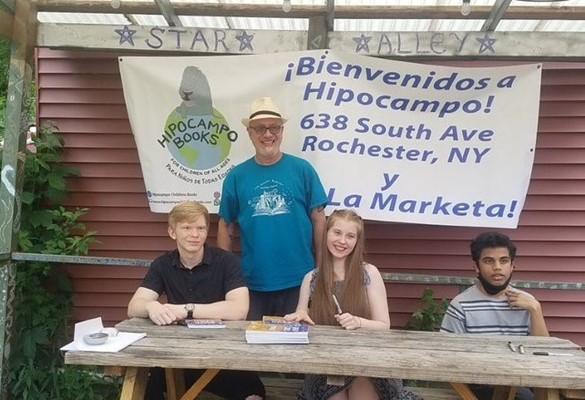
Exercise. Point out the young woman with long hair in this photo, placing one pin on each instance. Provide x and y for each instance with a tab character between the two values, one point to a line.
359	289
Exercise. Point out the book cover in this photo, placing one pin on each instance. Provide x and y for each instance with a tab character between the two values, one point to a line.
276	330
272	320
289	327
204	323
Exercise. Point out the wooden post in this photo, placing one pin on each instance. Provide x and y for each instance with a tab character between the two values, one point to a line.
134	386
200	384
319	28
12	168
463	390
318	34
6	19
175	379
504	393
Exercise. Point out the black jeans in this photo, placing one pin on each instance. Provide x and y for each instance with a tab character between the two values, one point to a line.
231	385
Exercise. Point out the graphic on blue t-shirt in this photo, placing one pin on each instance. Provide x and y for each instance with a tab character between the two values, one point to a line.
274	199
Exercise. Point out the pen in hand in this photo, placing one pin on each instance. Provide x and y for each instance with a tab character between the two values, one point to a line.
337	305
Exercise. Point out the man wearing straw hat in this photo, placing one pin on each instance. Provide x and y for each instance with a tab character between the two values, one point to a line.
278	202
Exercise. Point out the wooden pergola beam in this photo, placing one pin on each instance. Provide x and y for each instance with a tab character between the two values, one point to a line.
304	11
330	14
498	11
168	12
8	6
193	40
18	91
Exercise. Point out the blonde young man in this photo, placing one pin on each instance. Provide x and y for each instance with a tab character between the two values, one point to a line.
199	282
278	201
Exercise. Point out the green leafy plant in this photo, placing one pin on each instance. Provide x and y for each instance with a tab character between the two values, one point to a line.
30	106
430	315
43	291
2	116
4	62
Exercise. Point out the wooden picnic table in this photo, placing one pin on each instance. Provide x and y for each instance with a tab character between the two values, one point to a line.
428	356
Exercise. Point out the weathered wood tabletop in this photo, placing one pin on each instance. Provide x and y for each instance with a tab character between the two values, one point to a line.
395	353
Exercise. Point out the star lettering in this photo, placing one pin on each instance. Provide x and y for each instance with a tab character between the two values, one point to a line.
126	35
245	41
486	43
362	43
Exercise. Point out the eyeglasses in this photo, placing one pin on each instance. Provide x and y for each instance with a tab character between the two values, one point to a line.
260	130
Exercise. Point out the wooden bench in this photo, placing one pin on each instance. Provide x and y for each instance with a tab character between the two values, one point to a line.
287	389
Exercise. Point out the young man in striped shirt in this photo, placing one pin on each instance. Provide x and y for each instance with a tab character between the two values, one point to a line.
492	306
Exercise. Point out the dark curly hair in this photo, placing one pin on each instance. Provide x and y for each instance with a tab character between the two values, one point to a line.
491	240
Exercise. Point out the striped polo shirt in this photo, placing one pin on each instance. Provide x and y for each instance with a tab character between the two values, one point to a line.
476	312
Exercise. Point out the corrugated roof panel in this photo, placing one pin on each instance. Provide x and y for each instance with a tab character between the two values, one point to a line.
269	23
363	25
558	3
150	20
517	26
386	25
543	26
206	22
564	26
81	18
449	25
408	3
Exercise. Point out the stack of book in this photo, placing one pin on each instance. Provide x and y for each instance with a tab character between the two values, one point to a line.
204	323
275	330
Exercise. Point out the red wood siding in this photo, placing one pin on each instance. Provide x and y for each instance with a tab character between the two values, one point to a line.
82	93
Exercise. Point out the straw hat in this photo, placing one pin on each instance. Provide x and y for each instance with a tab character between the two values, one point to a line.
263	107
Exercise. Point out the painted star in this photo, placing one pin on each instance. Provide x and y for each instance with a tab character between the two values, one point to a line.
245	41
486	43
126	35
362	43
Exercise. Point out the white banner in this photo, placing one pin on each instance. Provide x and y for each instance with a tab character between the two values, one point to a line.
397	141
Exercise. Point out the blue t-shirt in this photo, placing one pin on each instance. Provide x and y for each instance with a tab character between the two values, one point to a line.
272	204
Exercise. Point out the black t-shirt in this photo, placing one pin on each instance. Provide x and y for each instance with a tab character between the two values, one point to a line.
208	282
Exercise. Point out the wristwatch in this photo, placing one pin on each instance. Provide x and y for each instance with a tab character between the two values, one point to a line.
190	307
